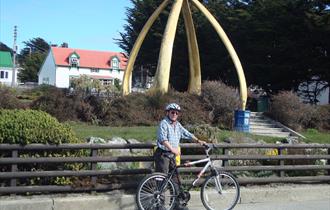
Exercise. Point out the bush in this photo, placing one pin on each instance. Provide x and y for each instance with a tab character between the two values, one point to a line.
194	109
128	111
148	109
287	108
222	101
29	126
321	118
64	107
8	99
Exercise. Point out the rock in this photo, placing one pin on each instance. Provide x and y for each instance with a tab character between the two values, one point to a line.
121	152
293	140
142	152
96	140
218	163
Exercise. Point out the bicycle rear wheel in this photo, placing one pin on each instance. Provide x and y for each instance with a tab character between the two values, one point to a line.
150	196
220	192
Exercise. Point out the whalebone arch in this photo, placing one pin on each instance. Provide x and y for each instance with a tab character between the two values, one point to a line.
161	82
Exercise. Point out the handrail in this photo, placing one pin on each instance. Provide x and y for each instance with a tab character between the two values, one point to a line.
149	146
226	153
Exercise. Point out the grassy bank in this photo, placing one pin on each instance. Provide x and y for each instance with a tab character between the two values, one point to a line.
144	133
314	136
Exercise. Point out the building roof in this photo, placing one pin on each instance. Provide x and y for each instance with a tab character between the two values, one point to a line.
88	58
5	59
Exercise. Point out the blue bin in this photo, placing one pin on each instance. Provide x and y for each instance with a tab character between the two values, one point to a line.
242	120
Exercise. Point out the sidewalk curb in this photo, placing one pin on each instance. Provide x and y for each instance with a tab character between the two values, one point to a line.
116	200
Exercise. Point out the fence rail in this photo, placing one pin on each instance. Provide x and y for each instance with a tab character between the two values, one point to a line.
281	162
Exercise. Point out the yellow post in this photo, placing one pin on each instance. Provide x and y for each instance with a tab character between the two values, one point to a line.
162	76
195	78
137	46
230	48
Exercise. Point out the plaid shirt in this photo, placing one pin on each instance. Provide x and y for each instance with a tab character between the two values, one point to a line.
167	131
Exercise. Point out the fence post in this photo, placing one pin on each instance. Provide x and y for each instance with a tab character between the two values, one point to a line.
328	162
225	152
280	152
94	153
13	181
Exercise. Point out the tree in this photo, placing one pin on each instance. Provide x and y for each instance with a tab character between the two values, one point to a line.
137	16
4	47
31	59
30	67
280	43
283	46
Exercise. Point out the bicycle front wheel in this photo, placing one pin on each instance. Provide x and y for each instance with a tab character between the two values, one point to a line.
220	192
152	193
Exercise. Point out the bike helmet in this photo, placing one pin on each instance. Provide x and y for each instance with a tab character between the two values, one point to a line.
173	106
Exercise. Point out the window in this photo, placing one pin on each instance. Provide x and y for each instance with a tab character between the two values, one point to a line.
115	63
2	74
74	60
6	75
95	70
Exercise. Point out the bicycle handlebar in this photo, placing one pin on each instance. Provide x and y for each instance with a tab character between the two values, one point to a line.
207	148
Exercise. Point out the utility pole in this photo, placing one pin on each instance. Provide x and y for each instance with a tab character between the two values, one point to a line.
13	82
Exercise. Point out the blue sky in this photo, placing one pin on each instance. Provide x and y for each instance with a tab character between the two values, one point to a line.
83	24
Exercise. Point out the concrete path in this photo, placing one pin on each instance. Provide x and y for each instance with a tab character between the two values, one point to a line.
270	197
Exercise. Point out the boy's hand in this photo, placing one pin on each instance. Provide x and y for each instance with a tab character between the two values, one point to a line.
175	151
201	142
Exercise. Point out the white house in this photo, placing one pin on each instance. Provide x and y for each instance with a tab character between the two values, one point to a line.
63	64
6	69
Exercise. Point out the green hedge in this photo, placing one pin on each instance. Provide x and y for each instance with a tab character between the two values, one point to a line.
30	126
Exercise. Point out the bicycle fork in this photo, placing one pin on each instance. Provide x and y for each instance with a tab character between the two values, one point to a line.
217	181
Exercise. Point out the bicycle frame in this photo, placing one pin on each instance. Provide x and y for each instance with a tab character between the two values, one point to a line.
206	160
171	192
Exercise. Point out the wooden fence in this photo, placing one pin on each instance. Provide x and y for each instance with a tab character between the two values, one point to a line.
268	157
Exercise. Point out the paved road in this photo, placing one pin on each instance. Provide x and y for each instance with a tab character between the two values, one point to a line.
273	197
292	205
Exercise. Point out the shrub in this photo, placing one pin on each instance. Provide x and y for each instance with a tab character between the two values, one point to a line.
155	103
222	101
64	107
194	110
321	118
148	109
8	99
287	108
128	111
30	126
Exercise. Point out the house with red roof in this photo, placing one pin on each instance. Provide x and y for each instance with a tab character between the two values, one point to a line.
63	64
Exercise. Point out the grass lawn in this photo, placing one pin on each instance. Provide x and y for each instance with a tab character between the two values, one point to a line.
224	134
314	136
142	133
145	133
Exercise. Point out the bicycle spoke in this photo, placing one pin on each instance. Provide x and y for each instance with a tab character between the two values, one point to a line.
220	191
153	195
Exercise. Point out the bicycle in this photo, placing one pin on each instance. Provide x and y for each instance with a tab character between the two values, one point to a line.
220	190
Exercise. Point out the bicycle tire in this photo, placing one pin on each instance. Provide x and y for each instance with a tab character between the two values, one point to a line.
227	199
148	189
